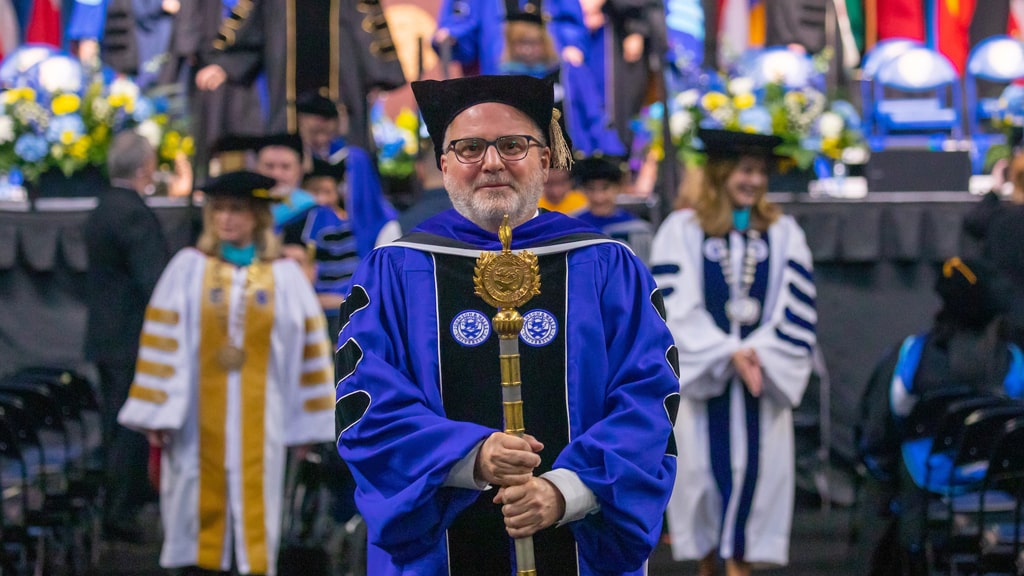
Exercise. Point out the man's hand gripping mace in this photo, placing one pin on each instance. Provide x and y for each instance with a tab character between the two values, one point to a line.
508	281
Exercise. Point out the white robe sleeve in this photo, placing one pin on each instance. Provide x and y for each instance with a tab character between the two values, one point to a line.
785	339
705	351
307	371
160	395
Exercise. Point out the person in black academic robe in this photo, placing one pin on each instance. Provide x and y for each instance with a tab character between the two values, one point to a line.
127	253
232	108
344	47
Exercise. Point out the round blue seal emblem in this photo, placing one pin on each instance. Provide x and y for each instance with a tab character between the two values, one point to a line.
539	328
471	328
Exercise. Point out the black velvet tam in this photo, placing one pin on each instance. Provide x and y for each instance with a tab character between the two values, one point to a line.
596	168
440	101
322	168
315	104
241	185
285	140
733	144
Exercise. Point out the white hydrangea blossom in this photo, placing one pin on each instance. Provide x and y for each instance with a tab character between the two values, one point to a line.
830	125
151	131
6	129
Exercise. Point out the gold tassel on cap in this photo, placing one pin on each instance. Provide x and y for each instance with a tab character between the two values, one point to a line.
561	155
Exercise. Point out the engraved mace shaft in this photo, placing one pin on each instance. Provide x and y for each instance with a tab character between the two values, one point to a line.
507	281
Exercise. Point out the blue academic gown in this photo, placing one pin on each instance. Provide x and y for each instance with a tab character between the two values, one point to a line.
418	390
152	28
478	27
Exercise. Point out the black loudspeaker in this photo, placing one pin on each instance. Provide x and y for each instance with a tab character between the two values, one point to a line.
918	171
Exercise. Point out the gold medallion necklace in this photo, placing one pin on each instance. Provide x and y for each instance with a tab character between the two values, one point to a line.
229	356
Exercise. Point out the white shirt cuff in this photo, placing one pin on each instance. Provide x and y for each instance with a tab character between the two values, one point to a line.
461	474
579	500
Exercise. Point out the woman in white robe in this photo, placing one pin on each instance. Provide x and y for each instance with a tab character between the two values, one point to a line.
736	279
234	365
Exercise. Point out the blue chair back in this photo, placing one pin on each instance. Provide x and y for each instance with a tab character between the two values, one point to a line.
873	59
918	70
998	59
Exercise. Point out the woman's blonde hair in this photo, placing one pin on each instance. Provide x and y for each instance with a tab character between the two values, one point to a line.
268	246
703	189
516	29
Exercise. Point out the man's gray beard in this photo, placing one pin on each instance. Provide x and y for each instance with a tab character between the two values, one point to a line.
519	210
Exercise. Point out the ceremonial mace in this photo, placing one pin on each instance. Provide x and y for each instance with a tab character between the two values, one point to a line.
507	281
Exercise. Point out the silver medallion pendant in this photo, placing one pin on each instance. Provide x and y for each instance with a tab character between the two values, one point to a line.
746	310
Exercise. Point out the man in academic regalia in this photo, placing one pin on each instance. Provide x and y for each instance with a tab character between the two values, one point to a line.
341	49
233	108
418	404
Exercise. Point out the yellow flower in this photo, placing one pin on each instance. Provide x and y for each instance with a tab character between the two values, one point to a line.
15	94
830	147
160	119
119	100
407	120
80	149
714	100
65	104
188	145
744	101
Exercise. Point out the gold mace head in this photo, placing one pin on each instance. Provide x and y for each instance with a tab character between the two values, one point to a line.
504	279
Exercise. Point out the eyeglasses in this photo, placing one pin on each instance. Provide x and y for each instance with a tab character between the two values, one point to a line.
472	150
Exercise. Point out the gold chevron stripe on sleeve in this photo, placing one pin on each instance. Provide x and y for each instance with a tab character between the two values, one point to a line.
161	343
316	377
154	369
147	394
162	315
315	323
317	350
319	403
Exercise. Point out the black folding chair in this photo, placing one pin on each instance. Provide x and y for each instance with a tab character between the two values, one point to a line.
999	542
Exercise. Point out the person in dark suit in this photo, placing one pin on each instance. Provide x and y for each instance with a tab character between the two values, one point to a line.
127	252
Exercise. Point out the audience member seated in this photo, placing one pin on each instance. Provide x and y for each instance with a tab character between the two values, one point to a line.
559	195
600	180
966	346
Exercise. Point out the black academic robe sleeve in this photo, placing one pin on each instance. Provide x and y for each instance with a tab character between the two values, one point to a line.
241	46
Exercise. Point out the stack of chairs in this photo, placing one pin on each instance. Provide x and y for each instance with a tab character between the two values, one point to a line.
51	470
969	477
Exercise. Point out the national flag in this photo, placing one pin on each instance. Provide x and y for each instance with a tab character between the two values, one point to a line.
900	19
733	30
951	29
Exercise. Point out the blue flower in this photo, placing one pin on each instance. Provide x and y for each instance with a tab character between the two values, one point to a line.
848	113
757	119
144	108
31	147
65	129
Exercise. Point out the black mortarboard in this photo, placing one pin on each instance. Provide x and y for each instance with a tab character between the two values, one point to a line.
531	17
972	291
315	104
322	168
733	143
440	101
230	153
285	140
596	168
241	185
